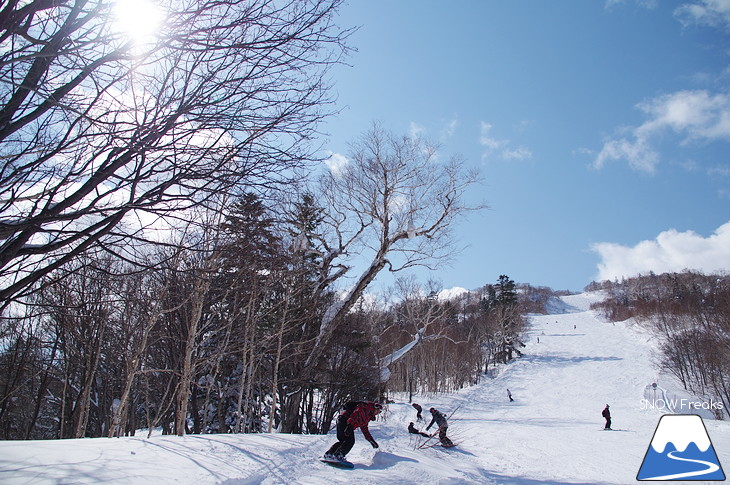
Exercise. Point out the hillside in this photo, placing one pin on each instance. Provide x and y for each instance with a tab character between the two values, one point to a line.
551	434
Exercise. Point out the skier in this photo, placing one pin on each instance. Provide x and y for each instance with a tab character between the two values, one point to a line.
412	429
418	411
607	414
509	395
440	419
357	414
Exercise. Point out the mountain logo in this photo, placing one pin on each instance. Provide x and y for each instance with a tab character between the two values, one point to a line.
681	450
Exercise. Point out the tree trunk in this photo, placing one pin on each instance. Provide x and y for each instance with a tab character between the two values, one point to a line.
187	374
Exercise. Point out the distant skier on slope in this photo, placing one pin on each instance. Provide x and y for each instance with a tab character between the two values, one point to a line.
440	419
607	414
418	409
357	414
509	395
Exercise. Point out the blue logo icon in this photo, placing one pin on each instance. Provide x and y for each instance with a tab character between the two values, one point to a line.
681	450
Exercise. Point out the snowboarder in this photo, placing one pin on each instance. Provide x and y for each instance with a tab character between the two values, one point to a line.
440	419
418	411
412	429
357	414
607	414
509	395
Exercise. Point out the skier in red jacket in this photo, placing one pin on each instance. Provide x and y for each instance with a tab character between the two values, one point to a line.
357	415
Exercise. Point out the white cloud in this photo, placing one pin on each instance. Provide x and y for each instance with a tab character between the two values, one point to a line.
721	171
336	162
450	128
715	13
649	4
671	251
519	153
692	115
415	130
487	141
493	145
638	153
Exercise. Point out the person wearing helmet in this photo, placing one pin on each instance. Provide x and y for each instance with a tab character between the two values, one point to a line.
355	416
440	419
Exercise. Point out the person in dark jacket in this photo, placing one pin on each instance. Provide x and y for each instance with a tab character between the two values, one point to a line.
440	419
419	409
349	420
607	414
412	429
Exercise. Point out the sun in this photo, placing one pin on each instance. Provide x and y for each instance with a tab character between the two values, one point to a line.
138	20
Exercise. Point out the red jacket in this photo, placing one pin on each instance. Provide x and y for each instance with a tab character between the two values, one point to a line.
361	416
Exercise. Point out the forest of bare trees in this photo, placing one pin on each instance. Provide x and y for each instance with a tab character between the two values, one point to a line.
217	344
174	255
690	313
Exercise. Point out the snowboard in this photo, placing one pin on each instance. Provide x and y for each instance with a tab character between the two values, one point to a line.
338	464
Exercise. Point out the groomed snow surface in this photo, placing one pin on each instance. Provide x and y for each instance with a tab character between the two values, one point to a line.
551	434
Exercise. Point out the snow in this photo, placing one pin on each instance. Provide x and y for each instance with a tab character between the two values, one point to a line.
451	293
397	355
551	434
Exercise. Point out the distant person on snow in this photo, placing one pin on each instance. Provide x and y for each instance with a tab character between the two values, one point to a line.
412	429
418	411
440	419
607	414
509	395
357	414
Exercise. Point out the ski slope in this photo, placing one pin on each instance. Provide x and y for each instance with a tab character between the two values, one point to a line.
551	434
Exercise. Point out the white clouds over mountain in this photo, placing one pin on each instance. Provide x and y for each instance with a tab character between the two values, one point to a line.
671	251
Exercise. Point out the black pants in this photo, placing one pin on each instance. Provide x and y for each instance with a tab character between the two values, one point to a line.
345	442
442	436
608	423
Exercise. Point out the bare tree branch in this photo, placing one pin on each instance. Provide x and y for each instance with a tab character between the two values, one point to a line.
99	133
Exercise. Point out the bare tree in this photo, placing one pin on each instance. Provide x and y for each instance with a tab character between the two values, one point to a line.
106	139
395	204
419	314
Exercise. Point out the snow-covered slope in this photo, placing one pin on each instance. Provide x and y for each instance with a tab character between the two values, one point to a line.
551	434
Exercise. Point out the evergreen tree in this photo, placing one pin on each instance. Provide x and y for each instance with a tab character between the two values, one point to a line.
506	291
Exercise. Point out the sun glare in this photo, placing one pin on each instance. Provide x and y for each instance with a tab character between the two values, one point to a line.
139	20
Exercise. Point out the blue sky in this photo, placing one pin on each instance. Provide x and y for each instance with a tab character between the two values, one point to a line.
601	128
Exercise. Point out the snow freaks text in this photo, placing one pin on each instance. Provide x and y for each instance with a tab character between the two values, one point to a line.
680	404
